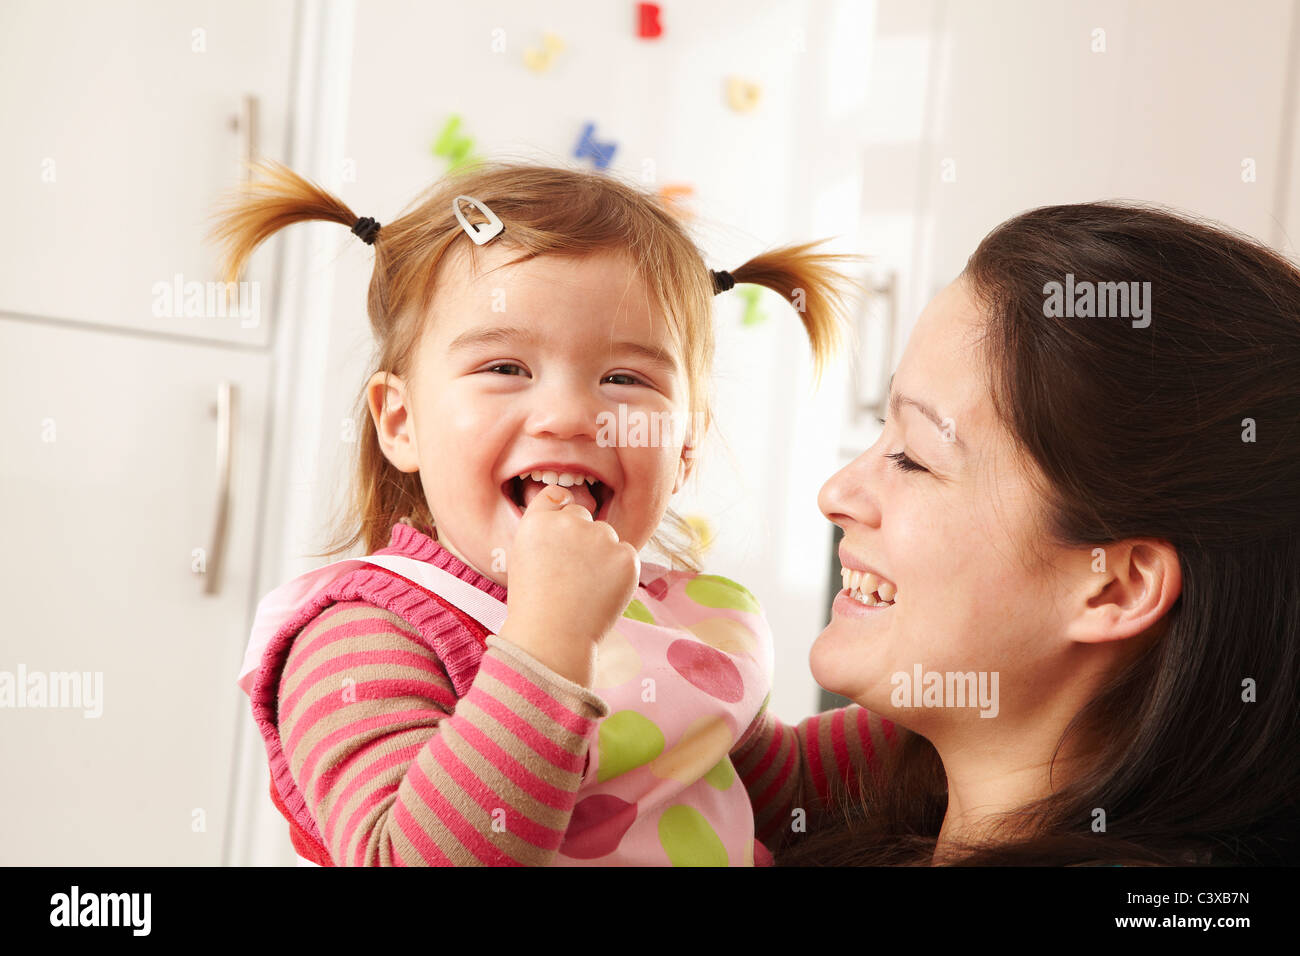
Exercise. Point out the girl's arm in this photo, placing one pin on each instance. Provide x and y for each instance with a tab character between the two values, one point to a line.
397	772
808	767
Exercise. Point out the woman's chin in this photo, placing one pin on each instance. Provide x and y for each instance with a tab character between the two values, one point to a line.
842	664
859	667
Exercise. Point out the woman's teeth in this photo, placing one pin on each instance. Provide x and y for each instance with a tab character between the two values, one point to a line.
867	588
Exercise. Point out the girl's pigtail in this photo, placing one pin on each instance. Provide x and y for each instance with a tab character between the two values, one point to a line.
274	197
816	285
258	209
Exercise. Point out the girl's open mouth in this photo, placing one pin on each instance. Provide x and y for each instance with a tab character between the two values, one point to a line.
595	497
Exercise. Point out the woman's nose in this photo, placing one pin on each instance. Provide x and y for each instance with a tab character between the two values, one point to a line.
849	494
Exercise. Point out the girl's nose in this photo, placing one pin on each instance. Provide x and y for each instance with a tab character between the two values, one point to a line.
849	495
563	412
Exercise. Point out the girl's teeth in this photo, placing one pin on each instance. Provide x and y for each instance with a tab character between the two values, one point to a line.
886	591
562	478
584	488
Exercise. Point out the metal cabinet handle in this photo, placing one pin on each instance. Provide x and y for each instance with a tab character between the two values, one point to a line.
875	405
225	412
247	123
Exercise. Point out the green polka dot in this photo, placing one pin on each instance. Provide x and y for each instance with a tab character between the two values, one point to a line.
722	775
713	590
762	708
688	839
627	741
639	612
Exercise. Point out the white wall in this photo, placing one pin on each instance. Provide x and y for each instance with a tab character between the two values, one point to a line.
1184	91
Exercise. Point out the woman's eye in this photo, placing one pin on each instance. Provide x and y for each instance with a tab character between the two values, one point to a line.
903	462
631	379
504	365
900	459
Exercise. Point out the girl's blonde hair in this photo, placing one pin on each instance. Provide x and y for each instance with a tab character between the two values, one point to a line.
546	211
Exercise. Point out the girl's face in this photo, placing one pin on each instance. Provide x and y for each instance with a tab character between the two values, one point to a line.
976	583
532	367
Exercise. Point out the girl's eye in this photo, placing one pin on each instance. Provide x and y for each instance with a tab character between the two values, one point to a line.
903	462
516	369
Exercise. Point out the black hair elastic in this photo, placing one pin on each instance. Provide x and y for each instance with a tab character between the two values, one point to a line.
722	281
367	229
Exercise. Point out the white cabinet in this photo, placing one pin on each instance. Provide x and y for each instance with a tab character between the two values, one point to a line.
1012	104
117	127
109	483
117	142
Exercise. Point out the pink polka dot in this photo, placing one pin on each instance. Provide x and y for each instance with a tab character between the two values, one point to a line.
710	670
596	827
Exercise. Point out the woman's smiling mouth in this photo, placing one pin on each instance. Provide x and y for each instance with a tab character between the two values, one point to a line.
868	588
865	592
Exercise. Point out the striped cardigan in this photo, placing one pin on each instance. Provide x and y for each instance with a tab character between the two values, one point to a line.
404	727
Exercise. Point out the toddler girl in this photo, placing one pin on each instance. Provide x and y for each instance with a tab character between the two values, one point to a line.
544	344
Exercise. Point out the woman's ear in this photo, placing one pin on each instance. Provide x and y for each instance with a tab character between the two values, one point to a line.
389	402
1129	588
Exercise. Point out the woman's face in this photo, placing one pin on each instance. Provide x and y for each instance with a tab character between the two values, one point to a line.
976	585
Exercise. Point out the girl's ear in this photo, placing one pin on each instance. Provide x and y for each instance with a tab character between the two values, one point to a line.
386	394
685	465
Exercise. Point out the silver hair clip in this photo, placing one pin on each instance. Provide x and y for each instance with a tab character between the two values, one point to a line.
483	232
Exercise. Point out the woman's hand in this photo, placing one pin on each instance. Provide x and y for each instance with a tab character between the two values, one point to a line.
569	579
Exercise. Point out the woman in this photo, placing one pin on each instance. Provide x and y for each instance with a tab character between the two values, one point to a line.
1087	500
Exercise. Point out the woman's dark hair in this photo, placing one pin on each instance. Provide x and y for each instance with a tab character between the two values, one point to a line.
1187	430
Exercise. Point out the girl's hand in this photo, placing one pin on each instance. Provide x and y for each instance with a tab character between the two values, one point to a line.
569	579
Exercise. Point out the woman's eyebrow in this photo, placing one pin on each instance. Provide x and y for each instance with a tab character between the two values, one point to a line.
897	401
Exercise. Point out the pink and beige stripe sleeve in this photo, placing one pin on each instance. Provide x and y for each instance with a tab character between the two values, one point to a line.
808	766
397	772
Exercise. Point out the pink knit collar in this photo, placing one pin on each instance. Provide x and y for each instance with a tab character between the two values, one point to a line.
410	542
